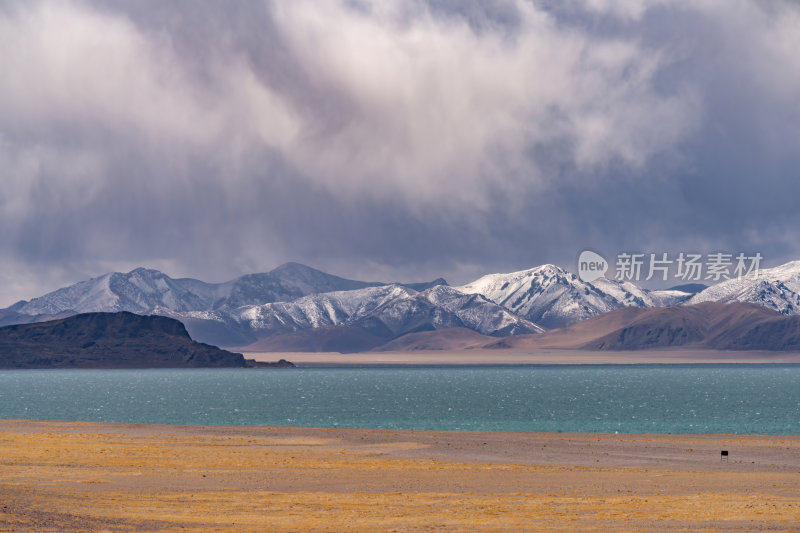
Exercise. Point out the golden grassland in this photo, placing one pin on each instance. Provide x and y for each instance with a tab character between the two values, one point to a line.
62	476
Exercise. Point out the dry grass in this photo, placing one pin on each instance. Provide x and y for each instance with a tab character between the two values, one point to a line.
70	476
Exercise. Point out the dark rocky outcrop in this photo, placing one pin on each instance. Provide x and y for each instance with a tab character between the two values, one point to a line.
108	340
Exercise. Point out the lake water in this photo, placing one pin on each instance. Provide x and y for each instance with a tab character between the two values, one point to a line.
637	398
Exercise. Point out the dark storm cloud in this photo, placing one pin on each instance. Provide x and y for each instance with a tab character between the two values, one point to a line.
383	139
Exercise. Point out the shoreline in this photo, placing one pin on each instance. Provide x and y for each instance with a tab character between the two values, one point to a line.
97	476
540	357
243	428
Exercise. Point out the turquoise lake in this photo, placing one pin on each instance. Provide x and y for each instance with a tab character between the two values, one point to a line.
560	398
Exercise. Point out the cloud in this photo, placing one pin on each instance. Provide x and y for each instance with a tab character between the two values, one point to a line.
628	10
437	112
390	138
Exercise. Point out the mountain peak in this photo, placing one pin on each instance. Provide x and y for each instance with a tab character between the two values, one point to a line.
293	267
783	272
776	288
425	285
549	268
145	272
553	297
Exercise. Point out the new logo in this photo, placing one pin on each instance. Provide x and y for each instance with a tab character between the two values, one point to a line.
591	266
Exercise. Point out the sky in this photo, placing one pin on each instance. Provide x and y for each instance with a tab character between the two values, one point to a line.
391	139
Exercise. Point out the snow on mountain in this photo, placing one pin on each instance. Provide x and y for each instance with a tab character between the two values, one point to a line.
668	297
387	311
143	290
138	291
480	314
239	310
553	297
318	310
775	288
295	297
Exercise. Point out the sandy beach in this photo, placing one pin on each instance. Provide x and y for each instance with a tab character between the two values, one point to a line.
66	476
527	357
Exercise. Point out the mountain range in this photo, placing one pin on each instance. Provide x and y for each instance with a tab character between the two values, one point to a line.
143	290
775	288
553	297
296	307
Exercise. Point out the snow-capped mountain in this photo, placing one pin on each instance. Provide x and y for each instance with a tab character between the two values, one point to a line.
553	297
775	288
290	298
138	291
295	298
480	314
386	311
144	290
